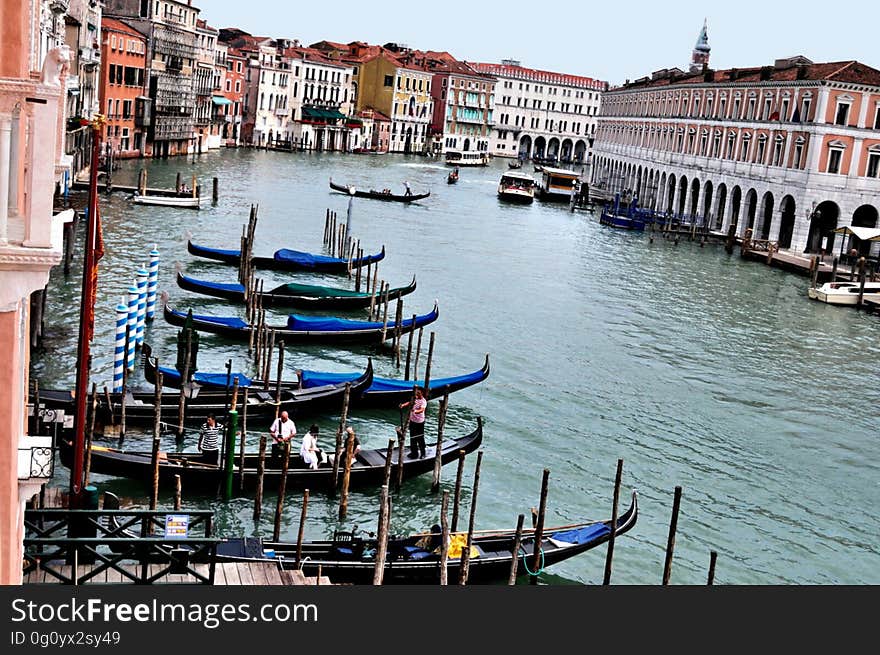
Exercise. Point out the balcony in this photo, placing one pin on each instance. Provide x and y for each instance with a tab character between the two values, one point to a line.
36	459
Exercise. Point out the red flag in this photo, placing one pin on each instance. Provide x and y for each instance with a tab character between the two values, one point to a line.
97	253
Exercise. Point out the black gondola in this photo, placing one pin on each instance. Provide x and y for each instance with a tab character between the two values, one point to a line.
378	195
140	405
302	296
304	329
367	468
415	559
382	393
452	178
287	260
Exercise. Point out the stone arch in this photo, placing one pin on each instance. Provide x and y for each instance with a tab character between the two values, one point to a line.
864	216
553	148
671	183
721	207
708	191
751	211
566	150
467	144
786	221
735	206
580	151
823	222
540	147
525	146
661	190
682	195
695	198
767	214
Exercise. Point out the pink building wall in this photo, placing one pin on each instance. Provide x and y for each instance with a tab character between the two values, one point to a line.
31	109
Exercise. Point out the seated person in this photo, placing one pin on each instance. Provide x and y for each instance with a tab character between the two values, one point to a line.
309	449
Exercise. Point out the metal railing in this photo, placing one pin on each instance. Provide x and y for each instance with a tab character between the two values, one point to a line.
55	539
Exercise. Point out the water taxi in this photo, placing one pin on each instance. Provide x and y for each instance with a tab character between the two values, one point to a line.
469	158
845	293
516	187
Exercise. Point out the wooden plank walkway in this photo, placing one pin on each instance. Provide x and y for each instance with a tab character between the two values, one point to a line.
225	573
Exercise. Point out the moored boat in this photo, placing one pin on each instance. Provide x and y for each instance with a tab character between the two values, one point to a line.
382	392
845	293
516	187
299	328
287	260
140	406
188	202
197	476
415	559
303	296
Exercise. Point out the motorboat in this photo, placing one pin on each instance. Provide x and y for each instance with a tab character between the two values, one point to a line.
845	293
516	187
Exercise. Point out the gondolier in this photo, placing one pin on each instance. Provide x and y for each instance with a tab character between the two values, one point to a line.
209	440
416	423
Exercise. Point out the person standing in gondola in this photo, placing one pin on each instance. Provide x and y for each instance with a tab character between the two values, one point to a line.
416	423
209	440
408	190
283	429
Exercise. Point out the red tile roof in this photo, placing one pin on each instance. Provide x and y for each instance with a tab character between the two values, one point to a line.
549	77
119	26
851	71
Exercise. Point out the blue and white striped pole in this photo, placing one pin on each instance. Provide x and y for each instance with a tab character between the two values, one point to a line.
132	326
119	352
152	283
141	304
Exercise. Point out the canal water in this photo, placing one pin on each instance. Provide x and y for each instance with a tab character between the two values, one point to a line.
695	368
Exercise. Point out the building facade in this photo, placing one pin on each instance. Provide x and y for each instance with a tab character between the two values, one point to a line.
542	114
268	85
123	75
203	85
320	100
32	99
790	151
170	27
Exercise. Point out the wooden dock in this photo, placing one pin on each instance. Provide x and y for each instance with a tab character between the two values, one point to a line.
225	573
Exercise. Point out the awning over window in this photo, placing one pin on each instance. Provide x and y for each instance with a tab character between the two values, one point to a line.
315	113
220	100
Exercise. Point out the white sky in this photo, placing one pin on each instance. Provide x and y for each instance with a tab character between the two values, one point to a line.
610	41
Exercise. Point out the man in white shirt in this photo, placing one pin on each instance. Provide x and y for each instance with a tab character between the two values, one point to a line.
283	429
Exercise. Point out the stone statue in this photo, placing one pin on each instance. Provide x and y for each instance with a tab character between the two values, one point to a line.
56	65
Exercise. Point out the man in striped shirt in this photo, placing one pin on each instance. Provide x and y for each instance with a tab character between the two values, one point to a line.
209	440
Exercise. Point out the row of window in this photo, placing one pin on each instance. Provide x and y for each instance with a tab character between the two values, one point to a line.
113	109
553	90
125	75
131	46
323	75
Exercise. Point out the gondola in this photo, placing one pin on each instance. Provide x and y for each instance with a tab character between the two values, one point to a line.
140	407
350	559
382	393
305	329
367	468
452	178
287	260
301	296
378	195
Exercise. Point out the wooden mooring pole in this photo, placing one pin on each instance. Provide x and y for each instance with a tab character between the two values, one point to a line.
302	527
517	541
670	544
537	554
261	471
456	498
614	505
282	486
438	453
466	554
382	535
713	555
157	431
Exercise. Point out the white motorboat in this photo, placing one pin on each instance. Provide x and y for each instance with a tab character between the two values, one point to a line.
468	158
845	293
190	202
516	187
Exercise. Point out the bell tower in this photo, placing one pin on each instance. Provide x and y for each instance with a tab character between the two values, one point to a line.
700	56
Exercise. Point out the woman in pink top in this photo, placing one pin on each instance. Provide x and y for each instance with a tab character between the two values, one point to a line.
416	424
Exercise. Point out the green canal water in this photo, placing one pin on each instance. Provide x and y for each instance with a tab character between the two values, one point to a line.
696	368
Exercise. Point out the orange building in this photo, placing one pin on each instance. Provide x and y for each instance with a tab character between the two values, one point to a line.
124	62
